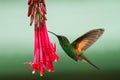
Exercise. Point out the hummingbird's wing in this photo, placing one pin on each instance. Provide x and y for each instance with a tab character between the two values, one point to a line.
85	41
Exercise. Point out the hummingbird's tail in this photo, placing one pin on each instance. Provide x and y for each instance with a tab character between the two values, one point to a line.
84	59
93	65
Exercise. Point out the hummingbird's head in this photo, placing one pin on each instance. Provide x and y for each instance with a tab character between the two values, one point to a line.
62	39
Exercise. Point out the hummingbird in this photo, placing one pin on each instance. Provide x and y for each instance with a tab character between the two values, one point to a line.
76	49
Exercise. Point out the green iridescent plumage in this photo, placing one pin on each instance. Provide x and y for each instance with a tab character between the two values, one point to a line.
75	49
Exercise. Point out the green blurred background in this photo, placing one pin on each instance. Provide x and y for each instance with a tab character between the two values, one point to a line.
71	18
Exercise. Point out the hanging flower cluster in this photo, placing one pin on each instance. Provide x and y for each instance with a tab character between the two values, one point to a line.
44	50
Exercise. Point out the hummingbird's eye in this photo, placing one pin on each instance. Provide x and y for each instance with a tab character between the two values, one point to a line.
61	38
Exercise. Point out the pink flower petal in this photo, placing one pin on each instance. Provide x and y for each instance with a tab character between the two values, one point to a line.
44	50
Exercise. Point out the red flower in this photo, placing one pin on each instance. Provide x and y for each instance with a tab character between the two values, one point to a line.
44	50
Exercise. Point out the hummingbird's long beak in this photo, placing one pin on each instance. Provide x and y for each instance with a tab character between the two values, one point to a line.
53	33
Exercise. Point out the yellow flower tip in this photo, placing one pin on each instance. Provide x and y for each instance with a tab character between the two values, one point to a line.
49	70
55	60
33	72
41	74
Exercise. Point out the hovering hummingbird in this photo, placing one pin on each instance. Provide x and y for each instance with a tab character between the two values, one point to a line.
76	49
